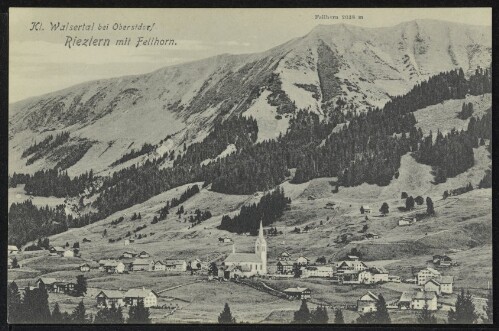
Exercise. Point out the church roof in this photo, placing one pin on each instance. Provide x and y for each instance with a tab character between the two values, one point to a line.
243	257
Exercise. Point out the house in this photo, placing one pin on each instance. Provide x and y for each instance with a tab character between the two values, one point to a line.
126	242
365	277
142	265
127	255
426	274
106	298
113	267
367	302
175	265
46	282
446	284
316	271
84	267
69	253
195	264
432	285
350	265
423	299
143	255
348	277
159	266
442	260
302	261
298	292
418	300
148	297
285	267
366	208
236	271
227	240
353	258
380	275
255	262
371	236
284	256
12	249
56	251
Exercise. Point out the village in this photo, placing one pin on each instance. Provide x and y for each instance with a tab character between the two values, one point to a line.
429	288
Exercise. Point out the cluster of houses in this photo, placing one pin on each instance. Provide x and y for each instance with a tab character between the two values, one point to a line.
54	285
106	298
130	262
433	286
63	252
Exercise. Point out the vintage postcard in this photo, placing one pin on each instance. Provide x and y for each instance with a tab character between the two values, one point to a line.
228	166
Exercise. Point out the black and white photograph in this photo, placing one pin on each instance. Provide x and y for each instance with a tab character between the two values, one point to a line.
250	165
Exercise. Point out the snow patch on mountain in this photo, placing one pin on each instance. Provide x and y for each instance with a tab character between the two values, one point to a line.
231	148
270	124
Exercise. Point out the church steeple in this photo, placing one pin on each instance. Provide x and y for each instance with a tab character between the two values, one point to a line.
261	248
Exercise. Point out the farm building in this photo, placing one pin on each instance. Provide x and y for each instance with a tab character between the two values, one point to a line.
159	266
298	292
426	274
285	267
106	298
142	265
175	265
367	302
148	297
317	271
56	251
84	267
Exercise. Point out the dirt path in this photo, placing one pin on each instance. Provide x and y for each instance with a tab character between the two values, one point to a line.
177	286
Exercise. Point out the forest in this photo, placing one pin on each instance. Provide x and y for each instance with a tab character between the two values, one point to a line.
364	147
270	207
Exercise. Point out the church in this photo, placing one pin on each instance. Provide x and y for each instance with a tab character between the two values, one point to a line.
249	264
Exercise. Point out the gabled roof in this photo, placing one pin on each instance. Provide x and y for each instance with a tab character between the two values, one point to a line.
406	296
139	293
366	207
372	296
159	262
424	295
296	289
141	262
433	281
285	254
447	280
378	270
243	257
57	249
112	294
174	262
13	248
47	280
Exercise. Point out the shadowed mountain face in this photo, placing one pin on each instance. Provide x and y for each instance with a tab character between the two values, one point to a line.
365	67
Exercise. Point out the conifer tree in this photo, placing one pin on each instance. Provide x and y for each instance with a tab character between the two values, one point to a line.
426	317
13	303
338	317
302	316
381	313
225	316
57	316
489	310
80	286
319	315
384	208
138	314
78	316
465	310
429	206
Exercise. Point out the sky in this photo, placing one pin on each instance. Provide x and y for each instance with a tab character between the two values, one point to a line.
41	62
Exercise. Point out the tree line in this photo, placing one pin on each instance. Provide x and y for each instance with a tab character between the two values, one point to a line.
270	207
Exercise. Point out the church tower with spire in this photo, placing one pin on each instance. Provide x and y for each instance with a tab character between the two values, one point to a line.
261	249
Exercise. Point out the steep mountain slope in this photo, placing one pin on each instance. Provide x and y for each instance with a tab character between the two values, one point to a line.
362	66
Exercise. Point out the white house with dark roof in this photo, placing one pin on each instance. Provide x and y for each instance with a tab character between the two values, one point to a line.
147	296
106	298
367	302
418	300
175	265
426	274
255	263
